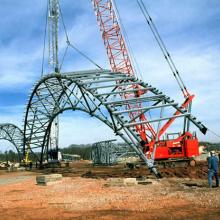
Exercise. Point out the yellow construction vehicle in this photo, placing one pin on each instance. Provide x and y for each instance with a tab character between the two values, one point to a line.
26	162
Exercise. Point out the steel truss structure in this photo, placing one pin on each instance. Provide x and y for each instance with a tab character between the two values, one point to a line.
108	153
13	134
98	93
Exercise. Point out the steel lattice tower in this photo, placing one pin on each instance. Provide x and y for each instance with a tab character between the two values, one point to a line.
53	60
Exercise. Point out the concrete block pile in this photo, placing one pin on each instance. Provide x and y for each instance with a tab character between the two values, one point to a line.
48	179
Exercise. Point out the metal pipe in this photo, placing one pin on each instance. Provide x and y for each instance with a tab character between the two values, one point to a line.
121	91
155	120
126	101
143	108
108	80
117	85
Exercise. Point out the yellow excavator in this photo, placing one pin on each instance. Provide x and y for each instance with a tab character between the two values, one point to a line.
26	162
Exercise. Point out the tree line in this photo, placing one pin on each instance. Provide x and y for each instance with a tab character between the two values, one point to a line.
84	150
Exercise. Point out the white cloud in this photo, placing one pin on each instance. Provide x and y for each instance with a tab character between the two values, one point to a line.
12	114
83	130
197	60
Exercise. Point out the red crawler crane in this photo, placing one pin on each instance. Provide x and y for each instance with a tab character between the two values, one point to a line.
120	61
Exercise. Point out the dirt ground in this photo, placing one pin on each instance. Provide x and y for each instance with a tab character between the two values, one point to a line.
83	194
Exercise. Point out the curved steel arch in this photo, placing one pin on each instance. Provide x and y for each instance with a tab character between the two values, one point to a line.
13	134
99	93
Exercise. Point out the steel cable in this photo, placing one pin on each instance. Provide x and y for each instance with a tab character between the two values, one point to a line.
71	45
130	51
163	48
45	34
217	135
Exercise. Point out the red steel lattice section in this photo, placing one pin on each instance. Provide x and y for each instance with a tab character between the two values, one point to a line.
118	55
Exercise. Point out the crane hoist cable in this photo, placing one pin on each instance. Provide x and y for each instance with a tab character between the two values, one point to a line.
166	53
163	48
217	135
69	44
125	35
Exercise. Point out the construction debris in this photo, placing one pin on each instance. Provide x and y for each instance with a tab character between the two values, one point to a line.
129	181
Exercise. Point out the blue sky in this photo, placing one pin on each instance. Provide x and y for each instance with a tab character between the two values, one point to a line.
190	30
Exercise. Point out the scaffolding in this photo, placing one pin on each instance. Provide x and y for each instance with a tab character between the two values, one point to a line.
108	153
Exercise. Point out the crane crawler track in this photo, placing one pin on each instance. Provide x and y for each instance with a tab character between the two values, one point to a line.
93	92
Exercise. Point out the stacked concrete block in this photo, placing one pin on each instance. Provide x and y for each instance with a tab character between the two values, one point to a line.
48	179
121	182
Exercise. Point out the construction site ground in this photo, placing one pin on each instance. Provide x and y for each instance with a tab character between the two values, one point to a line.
83	193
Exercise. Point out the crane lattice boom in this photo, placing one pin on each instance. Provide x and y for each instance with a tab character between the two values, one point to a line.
53	17
119	58
113	40
53	59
